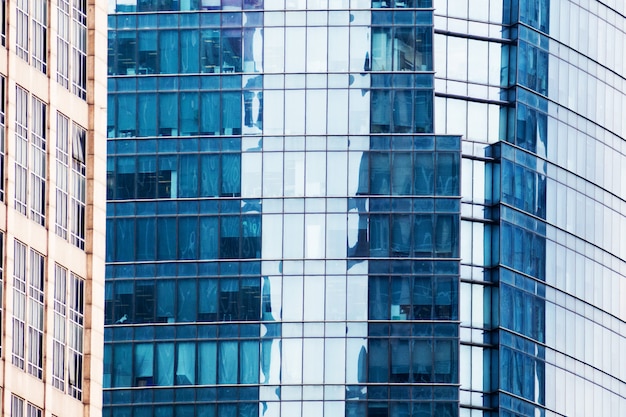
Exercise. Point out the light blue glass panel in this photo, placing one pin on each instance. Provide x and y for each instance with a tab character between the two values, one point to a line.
166	246
165	300
188	176
249	362
207	363
168	51
228	362
189	45
187	302
122	365
185	363
146	239
165	364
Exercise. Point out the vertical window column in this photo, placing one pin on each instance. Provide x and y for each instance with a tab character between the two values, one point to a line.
38	163
35	317
2	134
21	149
39	35
63	43
62	175
19	303
58	343
79	48
21	29
75	348
78	195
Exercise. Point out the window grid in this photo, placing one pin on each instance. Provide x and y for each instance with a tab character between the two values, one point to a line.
58	343
35	318
79	48
38	166
21	30
39	35
17	406
19	303
21	149
75	348
63	45
78	194
62	173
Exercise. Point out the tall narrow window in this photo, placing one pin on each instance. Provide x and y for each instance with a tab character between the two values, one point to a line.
75	347
3	29
38	163
35	316
78	194
21	29
2	134
19	303
39	35
62	175
17	406
21	149
63	43
79	48
1	282
58	343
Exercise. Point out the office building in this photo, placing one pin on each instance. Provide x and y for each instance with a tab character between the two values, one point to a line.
53	210
364	208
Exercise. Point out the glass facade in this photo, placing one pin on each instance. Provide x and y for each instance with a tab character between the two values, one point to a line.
364	208
536	88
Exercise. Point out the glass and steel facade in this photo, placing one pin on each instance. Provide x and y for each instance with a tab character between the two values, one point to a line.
536	88
364	208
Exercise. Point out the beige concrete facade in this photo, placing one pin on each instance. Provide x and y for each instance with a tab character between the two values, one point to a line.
84	111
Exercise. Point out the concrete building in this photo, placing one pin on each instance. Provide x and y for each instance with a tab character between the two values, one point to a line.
52	215
380	208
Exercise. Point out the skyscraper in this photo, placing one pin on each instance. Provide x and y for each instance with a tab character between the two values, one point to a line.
363	208
53	194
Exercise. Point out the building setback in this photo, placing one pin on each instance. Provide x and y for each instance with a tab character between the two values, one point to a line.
397	208
52	210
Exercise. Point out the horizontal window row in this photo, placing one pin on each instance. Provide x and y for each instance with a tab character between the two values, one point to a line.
413	298
174	147
410	173
399	235
191	83
377	204
124	6
241	409
186	50
398	409
182	363
401	48
163	270
169	207
174	176
413	360
192	237
184	300
401	111
186	331
182	114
